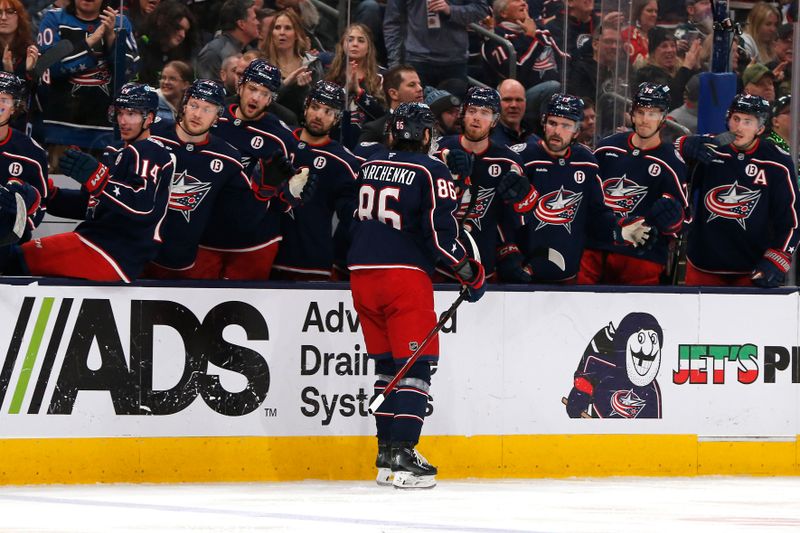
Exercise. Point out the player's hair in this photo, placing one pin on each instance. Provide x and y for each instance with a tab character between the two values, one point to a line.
301	42
393	78
233	11
338	70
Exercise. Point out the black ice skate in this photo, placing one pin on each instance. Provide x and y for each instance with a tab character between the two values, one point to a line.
384	463
411	470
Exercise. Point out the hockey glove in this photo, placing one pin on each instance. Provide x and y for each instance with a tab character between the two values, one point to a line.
771	269
459	162
665	215
580	398
299	189
471	275
274	172
84	169
511	266
17	201
516	189
632	231
698	148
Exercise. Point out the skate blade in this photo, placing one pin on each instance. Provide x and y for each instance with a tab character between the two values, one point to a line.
407	480
384	478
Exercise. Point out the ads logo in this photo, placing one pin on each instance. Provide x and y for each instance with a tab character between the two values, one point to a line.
616	377
129	380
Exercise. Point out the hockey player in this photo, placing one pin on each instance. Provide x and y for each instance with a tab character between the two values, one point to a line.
21	158
127	203
205	167
307	249
746	225
492	185
570	202
642	177
266	146
404	225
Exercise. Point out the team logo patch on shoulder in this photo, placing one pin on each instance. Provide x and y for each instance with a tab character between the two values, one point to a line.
622	195
558	208
187	193
732	202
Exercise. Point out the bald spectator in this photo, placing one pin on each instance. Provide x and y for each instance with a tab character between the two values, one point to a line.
511	129
239	25
227	73
759	80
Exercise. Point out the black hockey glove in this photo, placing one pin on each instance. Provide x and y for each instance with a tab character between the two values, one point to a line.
459	162
84	169
299	189
632	231
698	148
511	266
665	215
471	275
274	171
771	269
514	188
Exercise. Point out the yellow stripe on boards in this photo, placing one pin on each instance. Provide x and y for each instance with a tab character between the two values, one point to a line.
223	459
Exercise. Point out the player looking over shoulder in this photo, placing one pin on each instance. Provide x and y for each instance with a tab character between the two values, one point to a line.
405	225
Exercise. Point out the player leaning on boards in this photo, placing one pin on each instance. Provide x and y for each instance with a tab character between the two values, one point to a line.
642	177
405	224
125	202
570	204
746	225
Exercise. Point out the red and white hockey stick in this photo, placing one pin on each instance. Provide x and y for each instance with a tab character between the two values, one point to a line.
376	403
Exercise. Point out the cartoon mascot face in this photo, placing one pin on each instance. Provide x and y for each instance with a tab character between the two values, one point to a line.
642	337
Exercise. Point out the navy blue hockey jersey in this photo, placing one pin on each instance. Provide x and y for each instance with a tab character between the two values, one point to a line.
77	91
22	159
747	202
406	214
633	179
569	208
490	221
307	245
203	172
124	220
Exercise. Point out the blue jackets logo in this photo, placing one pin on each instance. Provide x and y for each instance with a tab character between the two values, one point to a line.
732	202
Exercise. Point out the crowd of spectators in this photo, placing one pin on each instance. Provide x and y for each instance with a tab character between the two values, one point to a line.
384	53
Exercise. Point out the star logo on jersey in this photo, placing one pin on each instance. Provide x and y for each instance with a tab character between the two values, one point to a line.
187	193
626	403
622	195
480	207
558	208
734	202
96	77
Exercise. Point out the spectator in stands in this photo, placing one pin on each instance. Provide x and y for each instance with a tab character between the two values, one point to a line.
265	17
139	13
239	25
761	31
587	134
759	80
227	73
287	47
587	73
369	13
355	67
20	54
76	94
699	20
780	123
176	76
511	128
664	67
431	36
686	115
781	66
400	84
537	53
446	108
582	23
644	15
170	34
